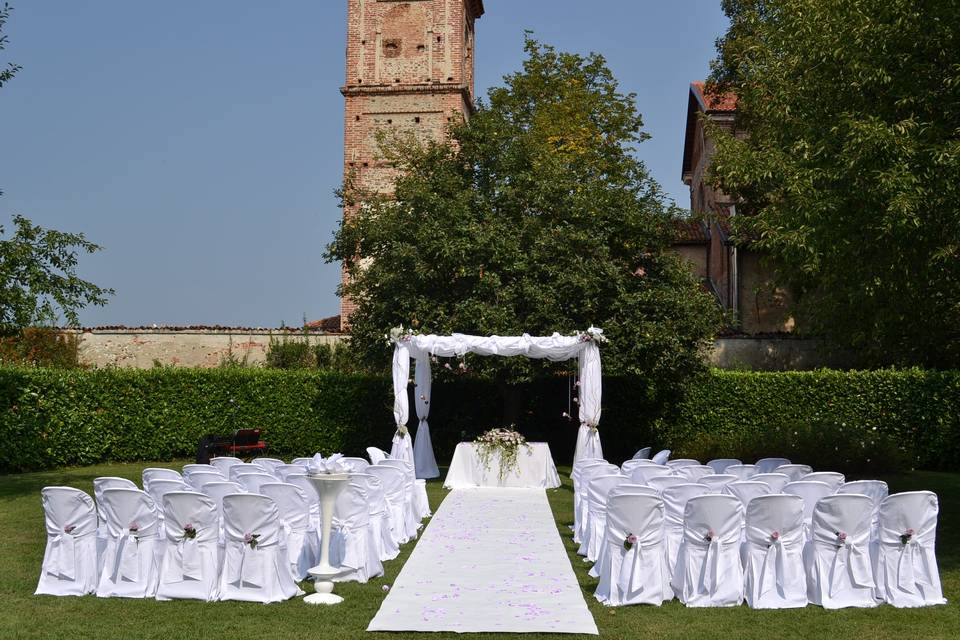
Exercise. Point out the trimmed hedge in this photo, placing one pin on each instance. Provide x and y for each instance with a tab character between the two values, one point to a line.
856	421
851	421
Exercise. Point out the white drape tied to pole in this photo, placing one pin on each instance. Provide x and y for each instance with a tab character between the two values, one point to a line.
402	449
424	462
583	346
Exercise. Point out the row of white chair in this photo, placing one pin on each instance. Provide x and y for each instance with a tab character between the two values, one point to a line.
764	558
377	512
597	481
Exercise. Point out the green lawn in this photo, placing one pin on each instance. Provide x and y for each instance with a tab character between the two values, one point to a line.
23	615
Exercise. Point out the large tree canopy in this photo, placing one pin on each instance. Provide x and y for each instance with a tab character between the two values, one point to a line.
850	168
537	218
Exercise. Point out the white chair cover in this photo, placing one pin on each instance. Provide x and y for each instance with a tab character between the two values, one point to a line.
768	465
393	482
130	559
628	488
303	462
223	463
642	454
411	495
811	492
643	473
639	575
905	566
719	465
252	482
286	469
661	457
747	490
237	469
156	473
630	465
70	558
832	478
376	455
682	462
300	479
387	548
717	482
255	567
159	488
576	473
216	491
355	465
794	471
99	485
197	479
582	516
773	553
352	544
675	504
293	509
664	482
268	464
876	490
693	472
597	493
777	481
742	471
190	568
708	571
198	468
839	571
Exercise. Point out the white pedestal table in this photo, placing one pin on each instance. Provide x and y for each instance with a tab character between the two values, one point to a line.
328	486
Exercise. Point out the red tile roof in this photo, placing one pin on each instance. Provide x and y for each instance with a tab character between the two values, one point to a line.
687	231
714	101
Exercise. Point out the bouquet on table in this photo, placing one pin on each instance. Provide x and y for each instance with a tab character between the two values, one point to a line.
505	442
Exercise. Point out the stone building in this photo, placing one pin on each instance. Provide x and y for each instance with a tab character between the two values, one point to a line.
409	69
734	272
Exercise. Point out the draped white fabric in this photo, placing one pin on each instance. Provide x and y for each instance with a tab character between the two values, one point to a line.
424	461
555	347
70	559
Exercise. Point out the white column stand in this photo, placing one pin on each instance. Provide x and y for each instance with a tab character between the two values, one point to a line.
328	486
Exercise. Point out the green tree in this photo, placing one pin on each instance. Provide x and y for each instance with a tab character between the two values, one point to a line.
850	168
537	218
38	279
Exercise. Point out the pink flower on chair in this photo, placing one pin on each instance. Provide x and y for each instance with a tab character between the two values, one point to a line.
134	527
251	539
189	532
629	541
842	537
711	534
907	535
775	536
69	528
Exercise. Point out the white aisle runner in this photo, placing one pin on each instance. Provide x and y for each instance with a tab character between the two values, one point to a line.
490	560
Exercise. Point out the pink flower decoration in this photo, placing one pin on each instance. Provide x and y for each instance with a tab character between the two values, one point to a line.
775	535
134	527
188	527
909	532
710	535
842	536
248	538
632	539
69	528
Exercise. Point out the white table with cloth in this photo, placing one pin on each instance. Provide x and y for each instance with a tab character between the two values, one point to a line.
534	469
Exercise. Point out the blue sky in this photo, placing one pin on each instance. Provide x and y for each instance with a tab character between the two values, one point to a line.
200	142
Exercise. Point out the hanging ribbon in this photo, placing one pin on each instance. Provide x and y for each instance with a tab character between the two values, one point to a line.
63	557
633	567
853	559
128	558
250	569
912	567
190	563
711	567
773	563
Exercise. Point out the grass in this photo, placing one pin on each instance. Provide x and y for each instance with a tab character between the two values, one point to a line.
25	616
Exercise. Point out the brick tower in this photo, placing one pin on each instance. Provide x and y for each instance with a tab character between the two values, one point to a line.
409	67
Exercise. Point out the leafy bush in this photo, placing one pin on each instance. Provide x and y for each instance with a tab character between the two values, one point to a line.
857	422
40	347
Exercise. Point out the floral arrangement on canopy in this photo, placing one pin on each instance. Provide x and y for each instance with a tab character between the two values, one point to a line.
504	444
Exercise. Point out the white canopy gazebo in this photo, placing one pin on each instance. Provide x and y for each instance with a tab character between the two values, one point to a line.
583	346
